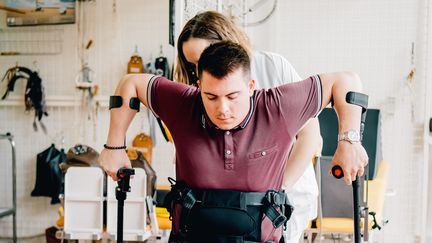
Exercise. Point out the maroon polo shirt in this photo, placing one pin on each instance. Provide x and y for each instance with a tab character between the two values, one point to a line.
250	157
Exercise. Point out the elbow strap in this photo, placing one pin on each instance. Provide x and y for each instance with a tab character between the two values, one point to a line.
134	103
116	101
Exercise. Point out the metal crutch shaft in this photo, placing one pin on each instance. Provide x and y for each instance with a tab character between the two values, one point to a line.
123	186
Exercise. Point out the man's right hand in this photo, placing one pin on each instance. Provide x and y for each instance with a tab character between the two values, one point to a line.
112	160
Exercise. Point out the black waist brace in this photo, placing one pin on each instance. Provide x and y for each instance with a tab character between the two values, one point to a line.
206	214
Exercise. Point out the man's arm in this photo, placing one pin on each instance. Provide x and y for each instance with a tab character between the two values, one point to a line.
132	85
351	157
306	146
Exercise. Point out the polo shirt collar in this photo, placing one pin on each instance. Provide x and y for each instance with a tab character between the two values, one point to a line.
206	122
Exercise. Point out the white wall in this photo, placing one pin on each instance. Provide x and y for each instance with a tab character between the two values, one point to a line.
370	37
114	35
373	38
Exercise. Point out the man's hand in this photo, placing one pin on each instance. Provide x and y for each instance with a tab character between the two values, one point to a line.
352	157
112	160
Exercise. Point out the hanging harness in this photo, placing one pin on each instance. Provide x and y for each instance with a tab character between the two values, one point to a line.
223	215
34	94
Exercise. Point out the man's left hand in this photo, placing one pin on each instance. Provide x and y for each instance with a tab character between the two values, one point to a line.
352	157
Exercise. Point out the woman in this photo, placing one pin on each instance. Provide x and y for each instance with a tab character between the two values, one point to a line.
268	70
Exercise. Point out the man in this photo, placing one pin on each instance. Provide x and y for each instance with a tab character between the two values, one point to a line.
232	138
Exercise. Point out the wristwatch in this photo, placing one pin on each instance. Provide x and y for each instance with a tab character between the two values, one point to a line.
351	136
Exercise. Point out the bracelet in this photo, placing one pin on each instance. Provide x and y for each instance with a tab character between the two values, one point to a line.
114	147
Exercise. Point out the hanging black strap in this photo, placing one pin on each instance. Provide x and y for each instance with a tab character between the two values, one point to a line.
188	203
162	128
273	201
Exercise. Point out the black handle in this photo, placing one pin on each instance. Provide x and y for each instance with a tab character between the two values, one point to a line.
124	174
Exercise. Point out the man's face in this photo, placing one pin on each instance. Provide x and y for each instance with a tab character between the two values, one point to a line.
226	100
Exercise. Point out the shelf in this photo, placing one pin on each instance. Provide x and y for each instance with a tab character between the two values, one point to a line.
54	101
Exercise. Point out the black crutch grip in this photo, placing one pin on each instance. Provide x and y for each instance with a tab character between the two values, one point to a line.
124	174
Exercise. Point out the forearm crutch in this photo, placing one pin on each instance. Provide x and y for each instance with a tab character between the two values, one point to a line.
362	101
123	186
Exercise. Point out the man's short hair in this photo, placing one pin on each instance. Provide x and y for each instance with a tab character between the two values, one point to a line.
222	58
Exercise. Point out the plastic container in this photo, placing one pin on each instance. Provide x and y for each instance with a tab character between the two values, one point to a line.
83	203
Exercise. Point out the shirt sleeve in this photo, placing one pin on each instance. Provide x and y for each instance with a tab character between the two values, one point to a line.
299	101
169	100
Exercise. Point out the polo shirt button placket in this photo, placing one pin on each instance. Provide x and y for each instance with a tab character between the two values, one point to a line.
229	154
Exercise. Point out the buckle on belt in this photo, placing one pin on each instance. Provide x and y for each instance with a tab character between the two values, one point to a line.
272	197
279	221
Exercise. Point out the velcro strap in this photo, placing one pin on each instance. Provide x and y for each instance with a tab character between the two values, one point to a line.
188	202
274	200
277	218
115	101
254	198
134	103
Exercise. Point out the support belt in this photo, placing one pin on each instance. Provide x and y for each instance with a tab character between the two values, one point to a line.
270	200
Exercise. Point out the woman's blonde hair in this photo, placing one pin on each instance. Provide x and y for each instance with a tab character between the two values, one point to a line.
212	26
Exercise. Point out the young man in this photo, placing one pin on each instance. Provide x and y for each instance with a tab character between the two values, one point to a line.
232	138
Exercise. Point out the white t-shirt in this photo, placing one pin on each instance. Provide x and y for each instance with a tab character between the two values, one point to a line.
270	70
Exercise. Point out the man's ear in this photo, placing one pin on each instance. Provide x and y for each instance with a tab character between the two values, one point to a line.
251	86
199	83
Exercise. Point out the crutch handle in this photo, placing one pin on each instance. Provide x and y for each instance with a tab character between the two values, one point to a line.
337	172
124	175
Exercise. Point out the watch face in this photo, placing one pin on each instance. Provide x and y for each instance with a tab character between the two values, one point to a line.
352	135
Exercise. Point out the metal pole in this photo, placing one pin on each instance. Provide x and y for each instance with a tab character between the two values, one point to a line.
120	208
356	197
14	202
123	174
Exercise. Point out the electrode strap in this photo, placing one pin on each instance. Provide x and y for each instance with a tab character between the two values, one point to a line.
116	101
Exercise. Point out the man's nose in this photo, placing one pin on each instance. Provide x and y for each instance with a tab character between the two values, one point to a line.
223	106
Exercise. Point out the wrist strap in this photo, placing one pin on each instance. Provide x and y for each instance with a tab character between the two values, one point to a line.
114	147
